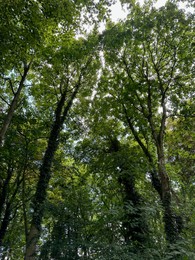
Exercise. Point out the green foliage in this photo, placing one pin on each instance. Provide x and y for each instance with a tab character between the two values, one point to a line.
101	178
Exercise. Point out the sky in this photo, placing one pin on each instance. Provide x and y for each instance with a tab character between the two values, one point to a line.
118	13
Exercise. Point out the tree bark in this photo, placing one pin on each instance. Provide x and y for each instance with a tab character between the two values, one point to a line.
5	222
136	232
159	176
4	189
172	226
5	207
134	224
154	174
45	173
14	102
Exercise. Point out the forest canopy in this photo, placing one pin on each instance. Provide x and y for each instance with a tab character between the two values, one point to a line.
97	141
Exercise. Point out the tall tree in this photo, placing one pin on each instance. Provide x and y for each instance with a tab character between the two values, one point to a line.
75	70
27	29
150	64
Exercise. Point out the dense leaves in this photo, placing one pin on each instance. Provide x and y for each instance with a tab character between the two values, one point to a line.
96	131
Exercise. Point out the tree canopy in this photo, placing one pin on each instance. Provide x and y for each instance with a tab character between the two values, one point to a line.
96	131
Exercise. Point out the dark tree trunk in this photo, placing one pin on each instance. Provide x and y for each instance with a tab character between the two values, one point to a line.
135	228
5	223
4	190
8	213
45	174
4	207
172	222
63	107
159	176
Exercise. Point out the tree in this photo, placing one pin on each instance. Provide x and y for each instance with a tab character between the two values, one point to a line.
28	29
127	215
149	66
75	68
20	158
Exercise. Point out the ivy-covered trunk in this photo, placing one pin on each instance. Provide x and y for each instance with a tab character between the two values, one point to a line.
45	173
159	176
172	227
172	222
135	228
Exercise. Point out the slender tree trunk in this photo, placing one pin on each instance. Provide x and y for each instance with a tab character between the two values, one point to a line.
14	102
8	211
4	190
24	210
156	182
4	208
5	223
172	227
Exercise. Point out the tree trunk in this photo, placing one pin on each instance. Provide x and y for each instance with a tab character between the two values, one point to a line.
5	223
159	176
12	108
172	226
5	208
45	173
134	223
135	228
4	190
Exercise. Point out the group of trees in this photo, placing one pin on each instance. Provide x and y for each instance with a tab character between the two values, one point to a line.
97	142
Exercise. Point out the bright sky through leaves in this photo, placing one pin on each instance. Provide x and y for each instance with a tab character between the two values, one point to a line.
119	13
